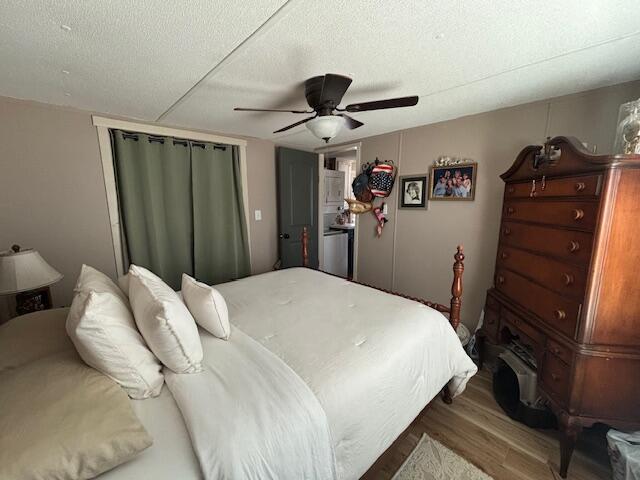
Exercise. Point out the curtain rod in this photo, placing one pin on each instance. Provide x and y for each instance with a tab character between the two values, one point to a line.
176	141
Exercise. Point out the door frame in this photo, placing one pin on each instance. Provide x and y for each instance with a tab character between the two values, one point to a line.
321	154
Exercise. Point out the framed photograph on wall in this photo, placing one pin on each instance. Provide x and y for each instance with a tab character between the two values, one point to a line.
413	191
453	182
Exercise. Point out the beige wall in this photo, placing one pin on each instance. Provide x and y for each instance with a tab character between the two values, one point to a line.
415	253
52	194
261	167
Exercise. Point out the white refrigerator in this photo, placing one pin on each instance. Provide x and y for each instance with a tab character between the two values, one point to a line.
336	251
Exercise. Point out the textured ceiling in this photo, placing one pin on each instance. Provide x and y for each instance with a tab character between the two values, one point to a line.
190	63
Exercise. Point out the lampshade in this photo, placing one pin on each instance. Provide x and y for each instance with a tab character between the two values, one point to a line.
325	127
25	270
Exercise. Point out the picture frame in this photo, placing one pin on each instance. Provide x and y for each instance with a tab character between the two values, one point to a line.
459	182
413	191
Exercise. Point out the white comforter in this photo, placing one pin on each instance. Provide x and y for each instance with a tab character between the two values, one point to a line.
250	416
373	360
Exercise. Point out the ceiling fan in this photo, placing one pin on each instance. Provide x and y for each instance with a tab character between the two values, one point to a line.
324	93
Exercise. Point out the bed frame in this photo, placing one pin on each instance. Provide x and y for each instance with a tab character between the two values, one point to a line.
453	310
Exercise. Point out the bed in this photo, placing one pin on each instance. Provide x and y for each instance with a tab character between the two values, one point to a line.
366	361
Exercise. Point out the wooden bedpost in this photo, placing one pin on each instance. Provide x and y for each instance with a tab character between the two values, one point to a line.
305	247
456	303
456	288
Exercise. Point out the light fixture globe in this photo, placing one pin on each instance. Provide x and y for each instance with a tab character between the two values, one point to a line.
326	127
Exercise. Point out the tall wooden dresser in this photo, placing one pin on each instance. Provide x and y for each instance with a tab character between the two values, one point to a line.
567	282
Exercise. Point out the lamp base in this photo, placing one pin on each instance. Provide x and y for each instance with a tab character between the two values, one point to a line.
33	301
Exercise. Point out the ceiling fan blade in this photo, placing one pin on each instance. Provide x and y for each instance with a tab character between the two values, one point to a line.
240	109
382	104
326	90
351	123
294	124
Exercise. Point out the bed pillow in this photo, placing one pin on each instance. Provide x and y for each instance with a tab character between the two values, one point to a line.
32	336
92	280
62	419
207	306
164	321
104	333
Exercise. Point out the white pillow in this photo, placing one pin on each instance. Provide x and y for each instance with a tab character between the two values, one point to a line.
207	306
164	321
92	280
104	333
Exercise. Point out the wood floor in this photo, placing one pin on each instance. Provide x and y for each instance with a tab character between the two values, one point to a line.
476	428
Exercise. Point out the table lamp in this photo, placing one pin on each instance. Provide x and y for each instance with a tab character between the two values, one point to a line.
25	274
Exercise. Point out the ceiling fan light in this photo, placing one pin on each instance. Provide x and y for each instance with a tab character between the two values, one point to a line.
326	127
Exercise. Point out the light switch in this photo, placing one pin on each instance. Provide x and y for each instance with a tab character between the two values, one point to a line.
385	209
258	215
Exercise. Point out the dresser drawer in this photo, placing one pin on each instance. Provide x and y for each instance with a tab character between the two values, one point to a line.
581	215
555	377
531	334
588	186
564	278
558	312
560	351
564	244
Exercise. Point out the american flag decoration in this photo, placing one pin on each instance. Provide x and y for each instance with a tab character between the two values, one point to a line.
381	179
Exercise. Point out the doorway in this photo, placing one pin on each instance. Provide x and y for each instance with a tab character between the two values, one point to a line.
297	177
337	227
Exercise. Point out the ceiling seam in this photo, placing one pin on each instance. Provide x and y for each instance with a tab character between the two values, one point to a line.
561	55
514	69
226	58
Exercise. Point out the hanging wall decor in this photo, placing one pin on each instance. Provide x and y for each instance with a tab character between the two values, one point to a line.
628	131
453	181
382	178
357	207
378	212
375	180
413	191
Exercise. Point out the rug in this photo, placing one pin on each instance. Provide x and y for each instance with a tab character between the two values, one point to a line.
431	460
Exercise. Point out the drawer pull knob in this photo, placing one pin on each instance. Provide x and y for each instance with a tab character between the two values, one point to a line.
578	214
568	279
580	186
560	314
555	377
506	231
510	210
511	190
574	246
504	255
500	279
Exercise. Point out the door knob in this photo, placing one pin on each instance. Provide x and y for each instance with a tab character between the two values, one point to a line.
284	235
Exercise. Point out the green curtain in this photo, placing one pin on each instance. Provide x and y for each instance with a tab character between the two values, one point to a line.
181	207
220	246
